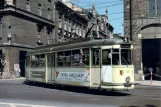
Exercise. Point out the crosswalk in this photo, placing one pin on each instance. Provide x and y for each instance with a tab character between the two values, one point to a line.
3	104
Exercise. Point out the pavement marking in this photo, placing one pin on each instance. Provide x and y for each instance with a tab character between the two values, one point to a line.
17	104
12	105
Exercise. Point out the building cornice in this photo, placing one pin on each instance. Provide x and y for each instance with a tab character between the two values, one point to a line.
14	11
16	45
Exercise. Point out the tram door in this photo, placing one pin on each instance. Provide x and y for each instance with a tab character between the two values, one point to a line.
50	68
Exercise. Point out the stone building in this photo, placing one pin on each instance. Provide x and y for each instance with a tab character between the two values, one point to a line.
145	34
27	24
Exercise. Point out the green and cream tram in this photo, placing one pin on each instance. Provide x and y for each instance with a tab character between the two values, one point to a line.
99	64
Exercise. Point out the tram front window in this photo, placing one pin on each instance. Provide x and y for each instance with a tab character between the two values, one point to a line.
115	57
106	57
126	57
110	54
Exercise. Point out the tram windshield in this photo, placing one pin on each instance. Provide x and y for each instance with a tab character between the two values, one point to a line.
112	57
126	57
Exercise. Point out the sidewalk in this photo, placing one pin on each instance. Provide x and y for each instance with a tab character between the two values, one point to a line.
148	83
21	78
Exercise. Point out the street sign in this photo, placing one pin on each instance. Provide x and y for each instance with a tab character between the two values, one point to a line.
150	69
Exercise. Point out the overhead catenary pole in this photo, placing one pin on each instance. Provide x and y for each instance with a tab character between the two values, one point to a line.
131	19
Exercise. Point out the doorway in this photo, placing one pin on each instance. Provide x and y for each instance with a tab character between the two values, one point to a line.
22	62
151	57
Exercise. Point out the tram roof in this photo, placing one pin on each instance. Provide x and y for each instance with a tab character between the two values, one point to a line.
77	44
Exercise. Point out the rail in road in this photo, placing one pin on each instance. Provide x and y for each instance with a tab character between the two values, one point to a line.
2	104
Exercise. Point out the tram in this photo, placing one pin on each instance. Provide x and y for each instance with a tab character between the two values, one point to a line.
95	63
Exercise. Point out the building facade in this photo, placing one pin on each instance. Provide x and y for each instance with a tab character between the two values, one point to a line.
143	19
27	24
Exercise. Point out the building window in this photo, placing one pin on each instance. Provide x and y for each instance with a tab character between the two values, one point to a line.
2	2
60	22
39	9
154	8
159	7
73	27
49	1
84	32
69	27
49	14
76	29
28	5
80	31
9	33
60	35
65	24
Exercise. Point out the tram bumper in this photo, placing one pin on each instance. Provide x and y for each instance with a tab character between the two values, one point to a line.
118	86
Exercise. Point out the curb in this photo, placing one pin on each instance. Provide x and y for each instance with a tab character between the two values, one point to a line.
14	79
139	84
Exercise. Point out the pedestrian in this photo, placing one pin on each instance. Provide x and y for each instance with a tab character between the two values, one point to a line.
158	73
19	72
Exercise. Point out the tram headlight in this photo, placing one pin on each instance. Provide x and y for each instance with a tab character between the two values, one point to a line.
127	79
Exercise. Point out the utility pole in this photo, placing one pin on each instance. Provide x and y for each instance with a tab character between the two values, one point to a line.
131	19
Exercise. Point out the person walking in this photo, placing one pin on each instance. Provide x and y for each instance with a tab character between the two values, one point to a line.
19	72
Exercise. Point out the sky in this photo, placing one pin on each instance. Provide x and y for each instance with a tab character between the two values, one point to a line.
114	7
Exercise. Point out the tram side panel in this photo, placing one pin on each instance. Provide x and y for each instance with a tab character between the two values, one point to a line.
37	74
36	69
72	76
95	77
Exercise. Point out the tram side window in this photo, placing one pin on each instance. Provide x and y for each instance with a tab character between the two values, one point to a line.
33	60
80	57
27	61
115	57
60	59
38	60
85	56
106	57
50	58
75	57
67	58
95	56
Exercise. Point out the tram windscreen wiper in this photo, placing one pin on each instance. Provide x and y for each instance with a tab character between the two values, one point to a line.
124	60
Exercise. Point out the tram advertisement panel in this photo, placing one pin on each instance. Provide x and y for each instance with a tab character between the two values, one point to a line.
72	76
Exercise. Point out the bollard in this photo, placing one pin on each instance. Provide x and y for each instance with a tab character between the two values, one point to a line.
151	77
